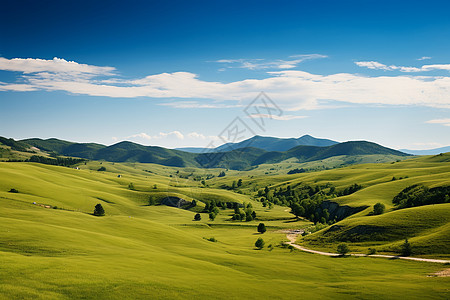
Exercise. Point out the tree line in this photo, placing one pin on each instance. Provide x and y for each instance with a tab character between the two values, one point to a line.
418	195
305	200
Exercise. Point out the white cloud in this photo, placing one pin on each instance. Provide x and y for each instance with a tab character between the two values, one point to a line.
196	104
445	122
274	117
258	63
424	58
436	67
56	65
171	139
374	65
430	144
292	90
17	87
139	135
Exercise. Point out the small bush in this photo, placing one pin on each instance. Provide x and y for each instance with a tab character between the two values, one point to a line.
372	251
342	249
197	217
13	191
101	169
406	248
259	243
211	239
378	209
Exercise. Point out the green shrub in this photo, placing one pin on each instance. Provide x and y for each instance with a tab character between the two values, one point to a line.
259	243
98	210
378	209
406	249
261	228
342	249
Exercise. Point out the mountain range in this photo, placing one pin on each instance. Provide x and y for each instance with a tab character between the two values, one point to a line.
266	143
239	158
435	151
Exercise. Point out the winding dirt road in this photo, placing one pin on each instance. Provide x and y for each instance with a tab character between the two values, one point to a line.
293	236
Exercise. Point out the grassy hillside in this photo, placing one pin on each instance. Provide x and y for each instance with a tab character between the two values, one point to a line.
141	251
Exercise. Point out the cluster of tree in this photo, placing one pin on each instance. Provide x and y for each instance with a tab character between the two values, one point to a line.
418	195
18	146
246	214
58	161
312	210
236	184
305	200
221	174
101	169
349	190
212	209
296	171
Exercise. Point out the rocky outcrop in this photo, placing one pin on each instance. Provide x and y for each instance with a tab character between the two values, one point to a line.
174	201
339	212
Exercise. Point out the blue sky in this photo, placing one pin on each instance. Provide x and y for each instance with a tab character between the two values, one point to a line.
177	73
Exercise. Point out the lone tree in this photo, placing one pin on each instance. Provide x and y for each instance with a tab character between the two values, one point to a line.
342	249
378	208
261	228
212	216
239	183
98	210
259	243
406	248
197	217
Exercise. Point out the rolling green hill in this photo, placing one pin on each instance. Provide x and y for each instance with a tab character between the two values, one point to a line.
120	152
56	248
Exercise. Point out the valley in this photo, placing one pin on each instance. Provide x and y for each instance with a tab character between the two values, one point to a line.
54	247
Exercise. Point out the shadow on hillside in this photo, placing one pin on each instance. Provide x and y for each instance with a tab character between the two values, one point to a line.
293	220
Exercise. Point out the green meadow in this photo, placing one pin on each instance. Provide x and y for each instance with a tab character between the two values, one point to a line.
57	249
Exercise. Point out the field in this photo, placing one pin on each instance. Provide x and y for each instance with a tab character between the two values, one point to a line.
138	250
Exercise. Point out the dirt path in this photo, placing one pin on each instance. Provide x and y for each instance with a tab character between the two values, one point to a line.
292	237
